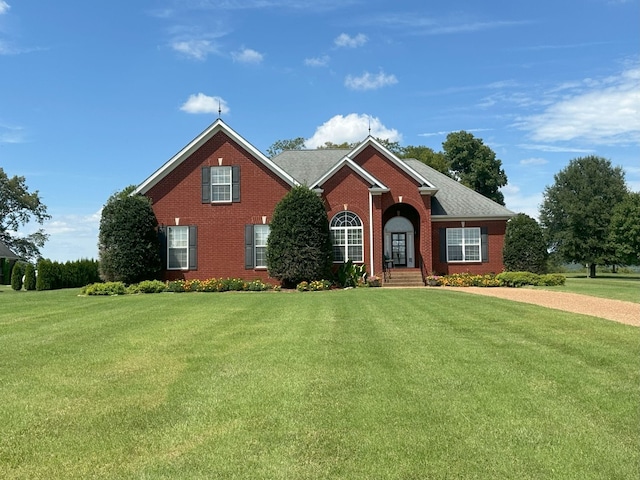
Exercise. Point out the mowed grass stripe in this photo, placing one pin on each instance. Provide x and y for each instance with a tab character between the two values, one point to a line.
366	383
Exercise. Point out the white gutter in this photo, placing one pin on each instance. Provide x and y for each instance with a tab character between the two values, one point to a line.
371	231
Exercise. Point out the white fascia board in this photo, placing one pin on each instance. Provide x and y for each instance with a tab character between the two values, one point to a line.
200	140
346	161
449	218
391	156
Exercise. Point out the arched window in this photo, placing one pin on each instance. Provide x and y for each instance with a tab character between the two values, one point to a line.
346	234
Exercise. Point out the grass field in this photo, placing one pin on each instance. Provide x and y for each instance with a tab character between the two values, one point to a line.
355	384
615	286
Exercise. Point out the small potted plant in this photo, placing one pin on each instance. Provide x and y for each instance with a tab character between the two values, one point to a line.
433	280
374	281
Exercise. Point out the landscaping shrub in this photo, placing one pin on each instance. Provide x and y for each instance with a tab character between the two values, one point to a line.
16	276
551	280
299	243
106	288
71	274
148	286
29	277
519	279
525	248
350	274
468	280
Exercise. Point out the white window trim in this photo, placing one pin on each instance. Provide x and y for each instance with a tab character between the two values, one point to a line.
256	246
346	230
169	247
465	244
229	185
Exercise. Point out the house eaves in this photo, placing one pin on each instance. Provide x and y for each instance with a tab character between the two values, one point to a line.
199	141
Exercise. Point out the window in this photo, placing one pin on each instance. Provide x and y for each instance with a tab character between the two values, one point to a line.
260	235
346	235
178	248
220	184
463	244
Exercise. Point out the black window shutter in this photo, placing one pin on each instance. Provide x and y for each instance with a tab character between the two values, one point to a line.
206	184
193	247
162	240
443	245
235	183
484	243
248	247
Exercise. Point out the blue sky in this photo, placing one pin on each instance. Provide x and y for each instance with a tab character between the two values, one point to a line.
95	96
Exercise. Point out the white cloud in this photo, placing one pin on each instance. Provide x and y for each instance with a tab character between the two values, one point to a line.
517	202
344	40
351	128
554	149
71	237
201	103
4	7
247	55
317	61
12	134
603	112
533	161
370	81
196	49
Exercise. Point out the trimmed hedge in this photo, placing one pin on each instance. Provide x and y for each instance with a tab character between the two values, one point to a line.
16	276
519	279
72	274
29	277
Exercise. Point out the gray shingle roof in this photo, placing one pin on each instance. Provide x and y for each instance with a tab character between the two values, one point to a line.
452	199
307	166
5	252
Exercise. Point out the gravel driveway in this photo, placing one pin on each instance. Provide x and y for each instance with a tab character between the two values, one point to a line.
616	310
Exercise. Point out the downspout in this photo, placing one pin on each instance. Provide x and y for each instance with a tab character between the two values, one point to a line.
371	232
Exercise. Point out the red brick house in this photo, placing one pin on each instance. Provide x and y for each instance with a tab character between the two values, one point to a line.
214	200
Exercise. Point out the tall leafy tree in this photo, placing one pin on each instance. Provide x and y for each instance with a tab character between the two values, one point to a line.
624	233
128	246
525	249
577	209
299	243
281	145
18	206
426	155
475	165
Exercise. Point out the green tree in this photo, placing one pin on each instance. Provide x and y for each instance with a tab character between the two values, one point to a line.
16	275
577	209
426	155
29	277
128	242
18	206
299	243
624	233
475	165
525	249
281	145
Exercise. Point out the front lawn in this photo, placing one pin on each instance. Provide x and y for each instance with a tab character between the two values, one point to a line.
614	286
355	384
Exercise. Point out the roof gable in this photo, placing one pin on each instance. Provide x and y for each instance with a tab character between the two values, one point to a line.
5	252
424	185
347	162
199	141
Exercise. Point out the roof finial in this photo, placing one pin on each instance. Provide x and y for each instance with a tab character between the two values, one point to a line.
369	126
219	108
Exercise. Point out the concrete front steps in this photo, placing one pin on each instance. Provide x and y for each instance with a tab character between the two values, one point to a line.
404	277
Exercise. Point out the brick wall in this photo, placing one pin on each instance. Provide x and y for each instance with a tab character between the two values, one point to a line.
496	230
220	226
